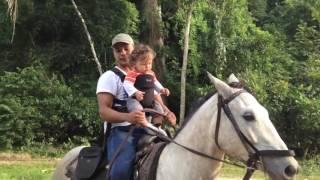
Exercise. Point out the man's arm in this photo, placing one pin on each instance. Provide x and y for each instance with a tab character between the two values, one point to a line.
106	112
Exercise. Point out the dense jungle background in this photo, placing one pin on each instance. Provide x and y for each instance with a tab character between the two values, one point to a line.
48	74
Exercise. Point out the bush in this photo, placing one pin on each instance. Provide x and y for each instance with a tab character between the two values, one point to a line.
37	107
310	165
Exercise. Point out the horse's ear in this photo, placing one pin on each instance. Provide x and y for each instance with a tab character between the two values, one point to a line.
233	79
223	89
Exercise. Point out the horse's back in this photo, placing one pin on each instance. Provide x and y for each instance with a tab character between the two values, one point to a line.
68	159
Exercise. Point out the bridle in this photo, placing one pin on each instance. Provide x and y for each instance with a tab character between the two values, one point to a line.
254	156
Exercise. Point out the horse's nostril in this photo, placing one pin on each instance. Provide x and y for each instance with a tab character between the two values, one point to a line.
290	171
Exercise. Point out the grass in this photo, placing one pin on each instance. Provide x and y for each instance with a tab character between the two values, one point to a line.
25	167
26	170
230	172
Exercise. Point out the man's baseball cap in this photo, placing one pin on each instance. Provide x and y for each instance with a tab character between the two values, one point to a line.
122	37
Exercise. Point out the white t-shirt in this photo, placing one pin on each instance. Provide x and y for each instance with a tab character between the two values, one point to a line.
109	82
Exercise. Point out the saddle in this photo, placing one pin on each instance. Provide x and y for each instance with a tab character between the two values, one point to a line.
91	165
147	157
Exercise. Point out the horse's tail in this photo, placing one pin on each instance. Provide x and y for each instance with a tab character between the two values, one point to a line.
67	165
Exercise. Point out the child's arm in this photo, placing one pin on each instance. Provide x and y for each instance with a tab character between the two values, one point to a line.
170	116
128	85
139	95
165	91
129	88
159	88
132	91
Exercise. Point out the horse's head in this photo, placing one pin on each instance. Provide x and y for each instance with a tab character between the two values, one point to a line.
246	132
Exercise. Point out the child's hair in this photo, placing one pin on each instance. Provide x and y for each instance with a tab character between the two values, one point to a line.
140	53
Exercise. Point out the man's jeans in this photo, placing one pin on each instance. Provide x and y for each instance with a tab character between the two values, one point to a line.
122	167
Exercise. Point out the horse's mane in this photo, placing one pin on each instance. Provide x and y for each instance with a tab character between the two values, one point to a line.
201	100
195	105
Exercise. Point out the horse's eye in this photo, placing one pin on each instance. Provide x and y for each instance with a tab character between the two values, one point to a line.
248	116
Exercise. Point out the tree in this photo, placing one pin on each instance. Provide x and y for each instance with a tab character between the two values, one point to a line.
12	11
96	60
185	62
151	33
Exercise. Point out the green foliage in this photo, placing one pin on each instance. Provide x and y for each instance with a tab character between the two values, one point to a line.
256	82
37	107
308	123
258	8
310	166
52	32
288	58
272	45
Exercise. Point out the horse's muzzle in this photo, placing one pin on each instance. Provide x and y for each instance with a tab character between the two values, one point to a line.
290	171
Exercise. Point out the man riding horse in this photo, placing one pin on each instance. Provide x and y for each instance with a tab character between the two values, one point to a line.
111	101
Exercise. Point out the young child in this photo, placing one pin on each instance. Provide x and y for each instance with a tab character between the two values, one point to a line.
141	81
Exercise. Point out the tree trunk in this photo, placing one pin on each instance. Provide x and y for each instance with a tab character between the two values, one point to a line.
152	35
221	49
95	58
184	66
12	11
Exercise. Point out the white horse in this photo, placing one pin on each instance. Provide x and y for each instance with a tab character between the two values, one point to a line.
244	131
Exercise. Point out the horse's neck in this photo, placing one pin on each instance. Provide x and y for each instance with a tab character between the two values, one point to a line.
198	134
199	131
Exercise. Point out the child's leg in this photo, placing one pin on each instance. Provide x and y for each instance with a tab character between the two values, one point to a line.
157	120
158	107
134	105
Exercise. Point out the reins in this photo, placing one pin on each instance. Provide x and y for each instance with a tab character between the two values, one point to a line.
167	139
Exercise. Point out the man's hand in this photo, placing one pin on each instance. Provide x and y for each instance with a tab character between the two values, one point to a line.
139	95
165	91
139	118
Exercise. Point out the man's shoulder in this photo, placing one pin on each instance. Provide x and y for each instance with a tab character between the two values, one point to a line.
107	75
113	72
108	82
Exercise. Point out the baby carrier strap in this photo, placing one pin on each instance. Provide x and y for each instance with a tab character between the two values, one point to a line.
145	83
119	105
118	73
